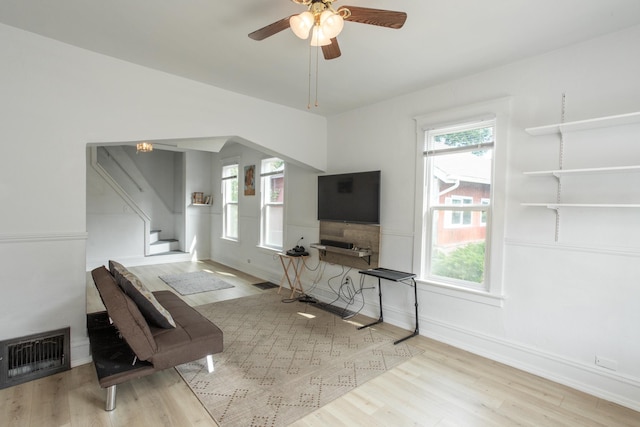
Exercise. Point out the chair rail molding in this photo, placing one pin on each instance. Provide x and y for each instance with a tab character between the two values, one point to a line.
43	237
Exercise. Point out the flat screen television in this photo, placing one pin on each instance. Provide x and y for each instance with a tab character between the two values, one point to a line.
350	197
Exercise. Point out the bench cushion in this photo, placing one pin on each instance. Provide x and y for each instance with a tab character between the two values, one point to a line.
125	314
193	338
150	308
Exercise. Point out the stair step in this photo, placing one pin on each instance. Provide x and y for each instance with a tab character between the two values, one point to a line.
173	253
162	246
154	236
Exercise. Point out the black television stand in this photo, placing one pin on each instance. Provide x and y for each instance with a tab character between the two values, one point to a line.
394	276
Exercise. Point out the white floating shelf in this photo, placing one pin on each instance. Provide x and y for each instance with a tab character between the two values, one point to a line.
583	205
600	122
559	172
343	251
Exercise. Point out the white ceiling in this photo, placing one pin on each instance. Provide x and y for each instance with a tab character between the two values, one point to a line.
206	40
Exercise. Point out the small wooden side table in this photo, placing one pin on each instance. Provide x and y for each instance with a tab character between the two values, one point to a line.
296	265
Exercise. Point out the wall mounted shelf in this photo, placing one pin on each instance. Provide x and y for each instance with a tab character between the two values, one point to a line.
559	172
359	253
589	124
581	125
366	237
552	205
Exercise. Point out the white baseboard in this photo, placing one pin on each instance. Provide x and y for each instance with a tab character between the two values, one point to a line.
80	352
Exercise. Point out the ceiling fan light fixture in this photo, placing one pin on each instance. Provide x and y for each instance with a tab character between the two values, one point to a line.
301	24
318	37
331	23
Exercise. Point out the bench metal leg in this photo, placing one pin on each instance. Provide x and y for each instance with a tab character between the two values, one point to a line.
111	398
210	363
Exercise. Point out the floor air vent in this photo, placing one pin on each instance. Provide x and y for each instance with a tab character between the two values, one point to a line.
35	356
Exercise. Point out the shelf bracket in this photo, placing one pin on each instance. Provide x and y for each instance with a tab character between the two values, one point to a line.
561	163
556	208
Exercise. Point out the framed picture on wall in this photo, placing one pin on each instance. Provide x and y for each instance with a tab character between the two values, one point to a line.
249	180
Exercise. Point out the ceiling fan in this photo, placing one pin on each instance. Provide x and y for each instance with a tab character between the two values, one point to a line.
324	23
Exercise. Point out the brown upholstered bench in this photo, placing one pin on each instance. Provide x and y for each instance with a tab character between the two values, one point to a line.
128	342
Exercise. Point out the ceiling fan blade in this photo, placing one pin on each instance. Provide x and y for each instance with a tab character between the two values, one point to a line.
270	29
380	17
331	51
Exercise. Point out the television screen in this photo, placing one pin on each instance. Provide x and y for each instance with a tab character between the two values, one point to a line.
350	197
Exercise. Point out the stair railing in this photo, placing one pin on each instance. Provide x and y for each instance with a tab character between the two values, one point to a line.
93	152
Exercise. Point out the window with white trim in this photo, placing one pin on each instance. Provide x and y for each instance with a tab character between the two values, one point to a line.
230	201
436	152
457	203
272	203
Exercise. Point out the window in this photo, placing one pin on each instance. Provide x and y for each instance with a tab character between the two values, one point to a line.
458	218
458	171
230	201
272	203
460	195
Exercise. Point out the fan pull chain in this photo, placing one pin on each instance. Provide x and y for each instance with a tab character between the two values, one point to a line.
309	90
317	68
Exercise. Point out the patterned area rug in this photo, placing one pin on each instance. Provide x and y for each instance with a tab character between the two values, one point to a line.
195	282
282	361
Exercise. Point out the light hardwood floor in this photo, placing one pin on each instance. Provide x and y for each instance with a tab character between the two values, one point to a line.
443	387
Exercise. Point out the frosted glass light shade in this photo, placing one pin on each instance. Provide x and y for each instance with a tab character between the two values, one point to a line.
144	147
301	24
318	38
331	23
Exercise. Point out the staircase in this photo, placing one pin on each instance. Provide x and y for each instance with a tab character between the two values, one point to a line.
158	246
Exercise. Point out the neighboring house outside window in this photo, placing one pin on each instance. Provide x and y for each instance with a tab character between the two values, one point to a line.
230	201
272	203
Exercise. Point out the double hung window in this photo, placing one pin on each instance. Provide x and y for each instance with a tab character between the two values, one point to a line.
230	201
272	203
456	228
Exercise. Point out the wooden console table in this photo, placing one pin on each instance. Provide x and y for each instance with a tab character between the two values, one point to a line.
394	276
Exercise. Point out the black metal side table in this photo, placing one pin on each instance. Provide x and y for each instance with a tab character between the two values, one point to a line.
394	276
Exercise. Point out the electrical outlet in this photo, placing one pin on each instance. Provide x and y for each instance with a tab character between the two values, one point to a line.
606	363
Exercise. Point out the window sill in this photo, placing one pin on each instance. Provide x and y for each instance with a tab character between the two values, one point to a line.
473	295
230	240
269	249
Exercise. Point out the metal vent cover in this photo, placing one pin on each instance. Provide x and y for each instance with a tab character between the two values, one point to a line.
34	356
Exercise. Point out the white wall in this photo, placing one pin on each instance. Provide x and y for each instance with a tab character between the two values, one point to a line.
158	170
564	302
199	220
55	100
300	215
